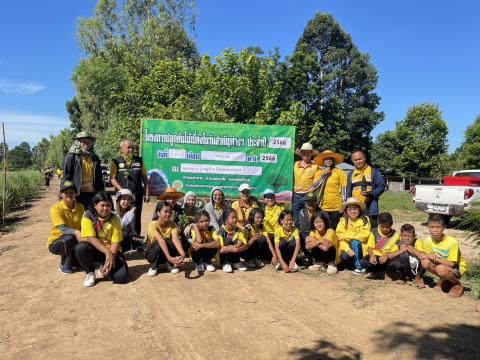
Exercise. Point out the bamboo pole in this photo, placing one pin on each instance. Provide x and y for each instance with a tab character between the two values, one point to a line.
4	174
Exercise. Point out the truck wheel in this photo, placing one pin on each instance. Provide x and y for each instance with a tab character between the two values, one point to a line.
447	219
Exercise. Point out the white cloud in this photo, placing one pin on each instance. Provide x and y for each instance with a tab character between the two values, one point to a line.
31	128
9	87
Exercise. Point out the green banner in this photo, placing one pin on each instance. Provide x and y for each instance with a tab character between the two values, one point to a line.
195	156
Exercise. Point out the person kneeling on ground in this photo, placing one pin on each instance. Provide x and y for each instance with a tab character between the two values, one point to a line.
287	243
232	243
382	243
204	242
101	238
322	243
444	258
259	247
164	244
406	261
66	217
353	232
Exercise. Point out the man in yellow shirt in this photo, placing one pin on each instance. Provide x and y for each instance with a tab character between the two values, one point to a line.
304	172
443	257
82	166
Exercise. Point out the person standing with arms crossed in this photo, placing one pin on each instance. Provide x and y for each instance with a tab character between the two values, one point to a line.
128	172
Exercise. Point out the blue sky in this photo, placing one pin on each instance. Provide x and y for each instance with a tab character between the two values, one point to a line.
424	51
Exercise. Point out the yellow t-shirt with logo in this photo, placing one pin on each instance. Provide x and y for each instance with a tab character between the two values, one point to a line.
109	233
280	234
332	199
357	180
243	214
447	249
166	232
61	214
354	230
270	221
331	236
391	245
236	236
87	174
303	176
206	236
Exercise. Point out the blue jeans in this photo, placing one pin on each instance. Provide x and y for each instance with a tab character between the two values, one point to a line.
297	204
356	246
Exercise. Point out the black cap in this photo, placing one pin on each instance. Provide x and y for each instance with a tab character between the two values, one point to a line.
67	184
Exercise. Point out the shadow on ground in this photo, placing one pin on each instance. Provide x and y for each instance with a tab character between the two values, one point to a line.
326	350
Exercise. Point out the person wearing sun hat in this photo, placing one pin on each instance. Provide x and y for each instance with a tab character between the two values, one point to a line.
244	205
127	212
66	217
171	196
353	232
331	184
304	172
82	166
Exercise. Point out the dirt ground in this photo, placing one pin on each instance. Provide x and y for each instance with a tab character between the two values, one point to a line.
254	315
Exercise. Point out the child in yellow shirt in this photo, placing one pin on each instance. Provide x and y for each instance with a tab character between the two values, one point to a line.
322	243
382	243
287	243
232	243
353	232
204	242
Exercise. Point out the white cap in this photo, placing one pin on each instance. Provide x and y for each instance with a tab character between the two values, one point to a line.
244	187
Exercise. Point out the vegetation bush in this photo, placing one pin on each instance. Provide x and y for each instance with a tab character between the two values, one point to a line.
22	186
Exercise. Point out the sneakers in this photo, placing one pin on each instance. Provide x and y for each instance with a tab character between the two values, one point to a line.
332	269
259	262
200	268
172	269
295	269
65	270
152	272
314	267
277	267
250	264
210	267
227	268
239	266
360	271
89	280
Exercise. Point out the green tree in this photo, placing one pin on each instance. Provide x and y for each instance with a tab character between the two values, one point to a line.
468	153
20	157
75	114
59	145
39	154
418	145
335	83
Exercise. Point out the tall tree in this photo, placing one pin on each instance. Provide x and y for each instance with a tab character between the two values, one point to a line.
335	83
39	154
20	157
469	152
59	145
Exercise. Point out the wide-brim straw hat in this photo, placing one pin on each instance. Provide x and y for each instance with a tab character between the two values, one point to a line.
328	154
306	146
171	192
353	201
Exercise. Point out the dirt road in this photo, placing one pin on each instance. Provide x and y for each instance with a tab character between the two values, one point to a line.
253	315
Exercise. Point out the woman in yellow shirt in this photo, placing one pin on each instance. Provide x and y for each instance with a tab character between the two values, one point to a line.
244	205
353	232
287	243
323	244
101	238
66	217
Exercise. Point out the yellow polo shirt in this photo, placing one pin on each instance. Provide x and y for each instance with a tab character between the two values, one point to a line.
280	234
154	228
270	221
61	214
332	195
243	214
236	236
331	236
447	249
303	176
110	232
391	245
358	178
87	174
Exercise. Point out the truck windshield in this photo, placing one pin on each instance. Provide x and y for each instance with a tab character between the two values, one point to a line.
475	174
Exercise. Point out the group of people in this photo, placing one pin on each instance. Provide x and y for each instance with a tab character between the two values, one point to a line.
334	224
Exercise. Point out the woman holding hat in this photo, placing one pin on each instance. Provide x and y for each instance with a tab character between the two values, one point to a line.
331	184
66	217
171	196
82	166
353	232
304	172
126	211
244	205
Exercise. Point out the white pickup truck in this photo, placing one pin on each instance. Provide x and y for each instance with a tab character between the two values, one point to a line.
453	198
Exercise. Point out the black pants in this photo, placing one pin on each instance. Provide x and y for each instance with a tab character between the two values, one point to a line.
156	257
259	250
371	267
129	244
334	217
88	255
401	264
287	248
324	256
138	212
65	247
85	198
203	255
231	258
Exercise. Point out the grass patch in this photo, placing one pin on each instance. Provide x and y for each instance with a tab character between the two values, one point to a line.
400	204
471	279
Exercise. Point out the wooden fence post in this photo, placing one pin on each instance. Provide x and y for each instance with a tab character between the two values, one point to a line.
4	174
